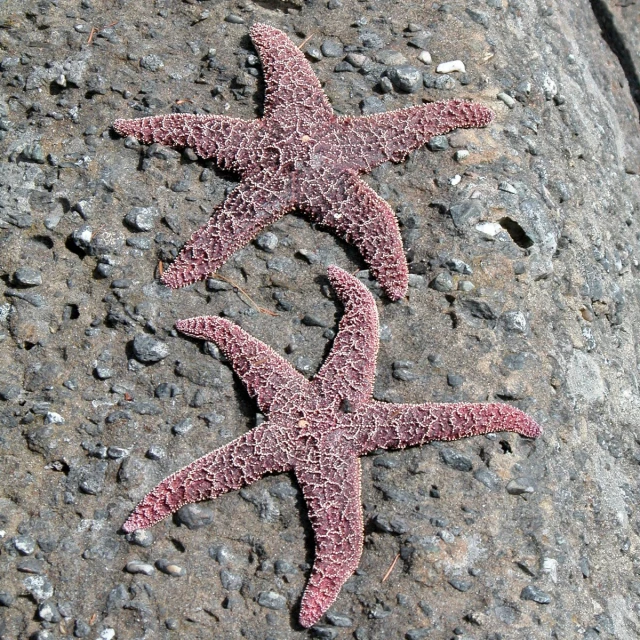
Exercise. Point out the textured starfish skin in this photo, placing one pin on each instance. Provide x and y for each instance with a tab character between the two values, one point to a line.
318	429
301	155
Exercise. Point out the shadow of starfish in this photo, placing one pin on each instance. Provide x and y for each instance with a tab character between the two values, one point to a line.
301	155
318	429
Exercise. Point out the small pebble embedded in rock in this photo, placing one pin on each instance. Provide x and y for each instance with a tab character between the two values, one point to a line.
535	594
149	350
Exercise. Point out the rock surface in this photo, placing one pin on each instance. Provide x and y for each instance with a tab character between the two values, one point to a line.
494	537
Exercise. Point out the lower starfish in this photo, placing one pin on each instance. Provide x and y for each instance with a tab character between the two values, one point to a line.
318	429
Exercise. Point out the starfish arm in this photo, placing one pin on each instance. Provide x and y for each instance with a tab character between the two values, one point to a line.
396	426
384	137
290	84
254	204
268	377
348	372
359	215
228	140
331	490
239	463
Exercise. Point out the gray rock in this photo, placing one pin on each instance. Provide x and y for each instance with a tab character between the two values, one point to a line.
455	460
438	143
230	581
267	241
194	516
135	566
25	545
142	218
405	78
149	350
152	62
170	568
27	277
371	105
39	587
271	600
6	599
332	48
443	282
536	595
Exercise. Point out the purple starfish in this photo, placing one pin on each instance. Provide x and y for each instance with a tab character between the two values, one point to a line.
318	429
301	155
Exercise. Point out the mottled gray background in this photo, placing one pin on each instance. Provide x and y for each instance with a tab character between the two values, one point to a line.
524	290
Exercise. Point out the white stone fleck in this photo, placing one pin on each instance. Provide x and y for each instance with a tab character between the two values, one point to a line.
449	67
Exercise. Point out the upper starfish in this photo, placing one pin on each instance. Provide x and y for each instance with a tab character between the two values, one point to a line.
318	429
300	155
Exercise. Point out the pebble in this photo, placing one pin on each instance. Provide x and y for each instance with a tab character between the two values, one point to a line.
420	40
314	53
405	78
271	600
170	568
148	350
356	60
230	581
460	585
332	48
267	241
183	427
425	57
339	620
135	566
194	516
418	634
103	373
390	58
466	213
39	587
155	452
27	277
6	599
443	282
460	155
466	286
281	264
372	104
386	86
519	486
324	632
514	321
457	265
24	545
310	320
151	62
48	612
81	629
507	187
141	538
451	66
438	143
142	218
234	19
81	238
536	595
455	460
487	478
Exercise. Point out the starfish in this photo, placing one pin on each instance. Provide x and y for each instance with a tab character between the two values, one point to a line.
318	429
300	155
